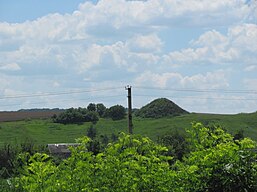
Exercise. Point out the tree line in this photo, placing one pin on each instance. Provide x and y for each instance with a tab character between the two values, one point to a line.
91	113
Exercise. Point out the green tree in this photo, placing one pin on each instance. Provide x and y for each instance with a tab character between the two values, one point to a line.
91	132
100	109
218	163
91	107
91	116
176	144
74	115
116	112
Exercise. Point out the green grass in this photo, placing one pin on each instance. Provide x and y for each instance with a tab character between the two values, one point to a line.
45	131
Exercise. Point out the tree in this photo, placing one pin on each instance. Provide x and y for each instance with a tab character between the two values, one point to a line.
116	112
217	162
100	109
91	116
176	144
91	132
91	107
74	115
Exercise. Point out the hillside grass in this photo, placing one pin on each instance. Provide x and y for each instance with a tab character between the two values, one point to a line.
45	131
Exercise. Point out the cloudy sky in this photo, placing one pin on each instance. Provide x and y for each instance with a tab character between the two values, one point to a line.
201	54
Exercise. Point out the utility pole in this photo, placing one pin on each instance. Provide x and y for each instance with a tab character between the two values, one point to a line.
128	87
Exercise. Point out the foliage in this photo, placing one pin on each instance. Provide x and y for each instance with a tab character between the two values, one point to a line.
91	107
100	109
116	112
160	108
7	159
216	162
239	135
176	144
8	156
74	115
91	132
91	116
133	163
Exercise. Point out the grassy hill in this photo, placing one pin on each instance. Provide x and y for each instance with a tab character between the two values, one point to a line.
45	131
161	107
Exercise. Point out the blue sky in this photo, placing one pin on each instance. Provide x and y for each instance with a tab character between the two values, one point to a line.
62	53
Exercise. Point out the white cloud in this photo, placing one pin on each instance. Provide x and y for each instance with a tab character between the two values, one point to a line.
213	47
209	80
251	68
10	67
251	84
148	43
120	14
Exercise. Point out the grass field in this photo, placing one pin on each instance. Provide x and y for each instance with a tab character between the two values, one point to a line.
45	131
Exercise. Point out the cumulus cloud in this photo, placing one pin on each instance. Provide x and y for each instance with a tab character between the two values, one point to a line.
213	47
251	68
148	43
10	67
251	83
210	80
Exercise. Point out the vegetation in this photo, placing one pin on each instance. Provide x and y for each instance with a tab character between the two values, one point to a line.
176	144
90	114
215	162
217	155
43	132
100	109
116	112
160	108
9	163
74	115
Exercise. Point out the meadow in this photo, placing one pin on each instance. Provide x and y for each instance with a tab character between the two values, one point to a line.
44	131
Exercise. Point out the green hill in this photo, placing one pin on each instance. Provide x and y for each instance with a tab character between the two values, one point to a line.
160	108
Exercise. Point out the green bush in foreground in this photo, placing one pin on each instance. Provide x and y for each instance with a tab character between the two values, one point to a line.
216	162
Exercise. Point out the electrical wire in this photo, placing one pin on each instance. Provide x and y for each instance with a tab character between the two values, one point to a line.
199	98
57	93
61	101
199	90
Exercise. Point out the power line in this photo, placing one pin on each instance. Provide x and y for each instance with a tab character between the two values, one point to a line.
60	101
199	90
200	98
57	93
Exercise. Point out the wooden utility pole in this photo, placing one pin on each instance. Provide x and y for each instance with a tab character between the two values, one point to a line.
130	125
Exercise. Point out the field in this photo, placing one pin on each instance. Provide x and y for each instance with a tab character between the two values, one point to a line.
27	114
45	131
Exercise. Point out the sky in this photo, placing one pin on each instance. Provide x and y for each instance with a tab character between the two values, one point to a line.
200	54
